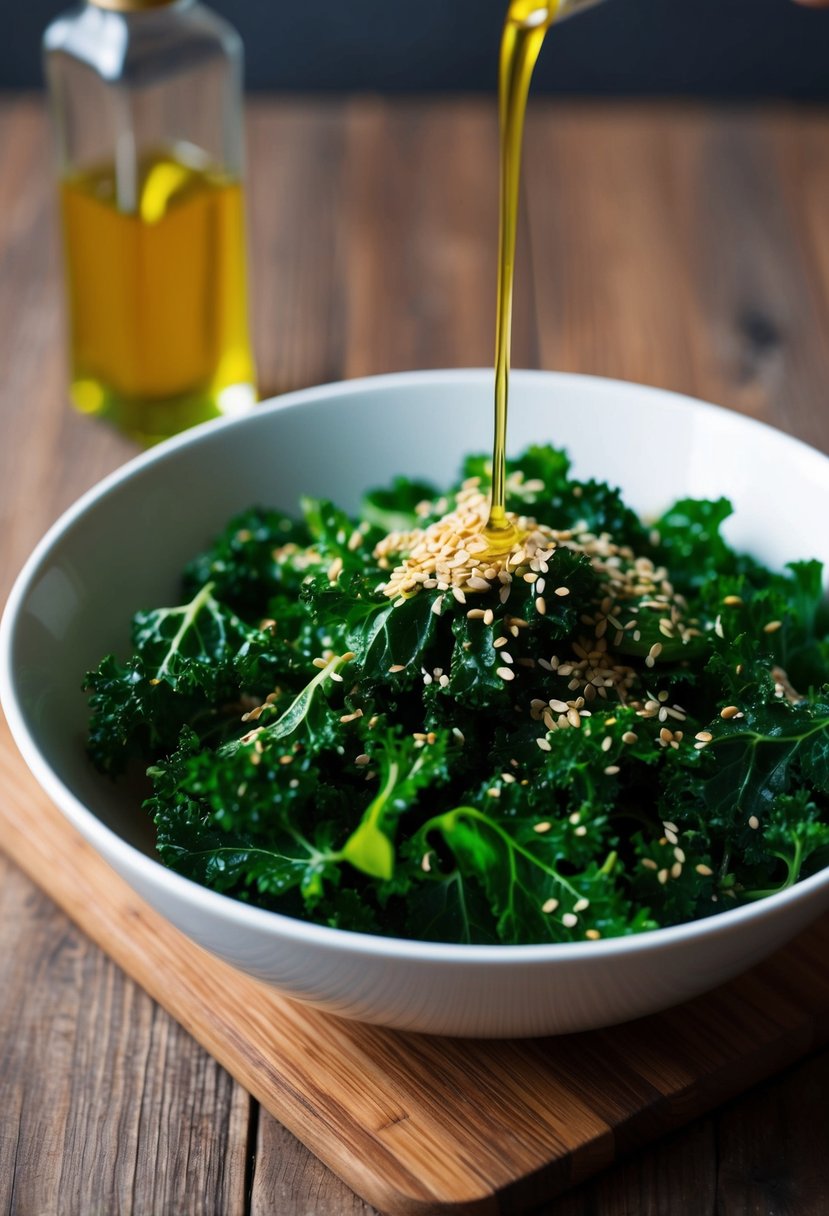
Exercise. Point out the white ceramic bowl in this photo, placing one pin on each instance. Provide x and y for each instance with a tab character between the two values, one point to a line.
122	546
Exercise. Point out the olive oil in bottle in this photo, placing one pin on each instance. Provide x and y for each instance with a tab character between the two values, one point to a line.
147	102
525	29
157	296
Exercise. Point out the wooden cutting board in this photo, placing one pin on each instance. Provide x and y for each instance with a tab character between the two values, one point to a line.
425	1125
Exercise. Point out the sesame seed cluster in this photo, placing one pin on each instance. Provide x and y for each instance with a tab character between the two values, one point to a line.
452	556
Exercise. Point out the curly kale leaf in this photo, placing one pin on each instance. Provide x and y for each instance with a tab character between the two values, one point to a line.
186	666
531	898
381	635
693	548
793	842
395	509
731	790
539	463
235	826
250	560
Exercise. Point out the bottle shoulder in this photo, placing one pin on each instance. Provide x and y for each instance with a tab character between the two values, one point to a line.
142	47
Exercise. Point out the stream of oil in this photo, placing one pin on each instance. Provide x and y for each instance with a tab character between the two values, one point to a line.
525	29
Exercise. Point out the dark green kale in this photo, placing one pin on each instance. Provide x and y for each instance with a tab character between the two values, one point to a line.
627	727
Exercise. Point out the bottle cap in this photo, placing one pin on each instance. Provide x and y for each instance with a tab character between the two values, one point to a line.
130	6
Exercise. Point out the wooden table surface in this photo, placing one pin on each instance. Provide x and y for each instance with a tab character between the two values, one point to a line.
682	247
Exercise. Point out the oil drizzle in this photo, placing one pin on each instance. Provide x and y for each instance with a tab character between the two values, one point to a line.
525	29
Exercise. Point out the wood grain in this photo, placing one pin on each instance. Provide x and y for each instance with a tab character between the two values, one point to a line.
682	246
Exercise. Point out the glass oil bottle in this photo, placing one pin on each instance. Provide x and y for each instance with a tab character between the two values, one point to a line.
147	104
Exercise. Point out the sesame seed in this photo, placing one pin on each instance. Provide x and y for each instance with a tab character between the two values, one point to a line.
396	667
549	906
730	711
489	617
662	877
559	707
542	827
630	737
362	760
607	743
581	904
704	870
320	663
733	601
772	626
358	713
505	673
593	935
612	770
541	605
426	862
569	920
562	591
437	606
457	592
507	657
545	745
679	855
754	823
676	869
648	863
704	736
500	642
580	831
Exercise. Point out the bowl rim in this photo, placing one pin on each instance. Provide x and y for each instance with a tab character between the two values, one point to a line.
151	871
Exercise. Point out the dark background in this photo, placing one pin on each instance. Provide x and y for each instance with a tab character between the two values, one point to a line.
712	48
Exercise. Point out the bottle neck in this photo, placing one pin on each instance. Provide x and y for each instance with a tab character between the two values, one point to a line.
137	6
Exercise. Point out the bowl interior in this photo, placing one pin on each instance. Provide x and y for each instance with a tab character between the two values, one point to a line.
122	547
